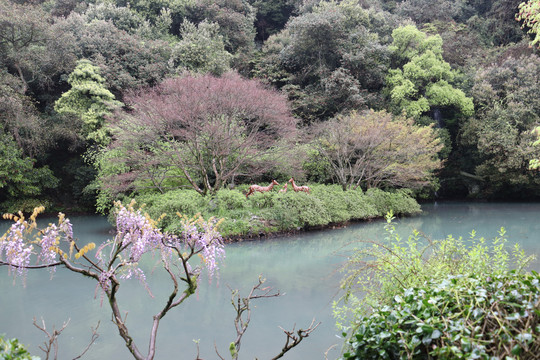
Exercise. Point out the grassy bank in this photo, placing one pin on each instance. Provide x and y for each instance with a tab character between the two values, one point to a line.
272	212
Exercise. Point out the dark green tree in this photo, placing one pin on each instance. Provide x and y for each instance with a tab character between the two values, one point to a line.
327	60
529	13
126	61
201	49
20	179
507	96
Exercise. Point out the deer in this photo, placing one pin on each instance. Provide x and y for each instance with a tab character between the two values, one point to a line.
284	189
255	188
298	188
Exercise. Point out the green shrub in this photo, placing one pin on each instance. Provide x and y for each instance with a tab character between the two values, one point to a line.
459	317
382	270
13	350
380	275
230	200
333	198
399	202
272	211
306	208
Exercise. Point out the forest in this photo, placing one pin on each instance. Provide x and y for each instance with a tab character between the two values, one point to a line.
110	99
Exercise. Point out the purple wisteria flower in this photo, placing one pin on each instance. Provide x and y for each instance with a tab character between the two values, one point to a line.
136	233
17	252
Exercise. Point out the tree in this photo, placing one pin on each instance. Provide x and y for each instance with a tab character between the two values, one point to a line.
88	99
235	19
529	13
371	149
421	11
201	49
29	48
20	118
20	179
421	83
327	60
126	61
202	130
271	16
507	97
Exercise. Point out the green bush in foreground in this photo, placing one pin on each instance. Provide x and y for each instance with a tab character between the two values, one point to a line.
460	317
11	349
416	298
263	213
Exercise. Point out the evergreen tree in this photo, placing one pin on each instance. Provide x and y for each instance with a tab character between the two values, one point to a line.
88	99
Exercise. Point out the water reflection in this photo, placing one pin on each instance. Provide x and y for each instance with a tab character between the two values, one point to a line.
303	266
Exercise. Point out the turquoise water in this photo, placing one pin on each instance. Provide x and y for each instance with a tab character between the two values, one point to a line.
303	267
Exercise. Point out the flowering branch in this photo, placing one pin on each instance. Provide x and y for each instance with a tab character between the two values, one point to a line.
137	234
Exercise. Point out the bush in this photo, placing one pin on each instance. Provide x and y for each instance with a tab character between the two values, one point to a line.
306	209
229	200
186	202
13	350
408	285
460	317
272	211
399	202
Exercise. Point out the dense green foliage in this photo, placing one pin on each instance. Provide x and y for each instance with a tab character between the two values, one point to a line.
263	213
11	349
461	317
449	298
64	66
89	99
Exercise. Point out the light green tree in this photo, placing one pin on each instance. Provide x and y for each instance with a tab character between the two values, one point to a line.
88	99
529	13
422	81
202	49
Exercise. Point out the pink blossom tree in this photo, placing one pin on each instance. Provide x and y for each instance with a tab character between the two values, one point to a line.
203	130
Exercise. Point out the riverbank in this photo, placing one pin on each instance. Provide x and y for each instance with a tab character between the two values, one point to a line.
273	213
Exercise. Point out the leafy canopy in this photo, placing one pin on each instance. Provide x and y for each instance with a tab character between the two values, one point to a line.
422	79
88	99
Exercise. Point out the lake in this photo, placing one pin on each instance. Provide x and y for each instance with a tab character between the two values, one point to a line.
304	267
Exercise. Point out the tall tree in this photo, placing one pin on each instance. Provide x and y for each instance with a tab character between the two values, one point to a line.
507	95
201	49
20	179
373	149
328	60
203	129
421	83
89	100
29	48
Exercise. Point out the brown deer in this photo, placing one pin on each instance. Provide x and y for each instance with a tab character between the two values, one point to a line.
254	188
284	189
298	188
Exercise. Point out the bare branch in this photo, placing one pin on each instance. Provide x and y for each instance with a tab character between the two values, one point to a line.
243	311
52	343
293	339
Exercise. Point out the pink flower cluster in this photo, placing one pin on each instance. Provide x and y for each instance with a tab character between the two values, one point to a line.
17	246
204	238
17	251
136	232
